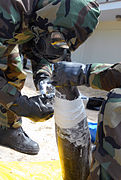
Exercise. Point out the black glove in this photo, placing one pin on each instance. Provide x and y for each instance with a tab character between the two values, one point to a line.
70	74
33	108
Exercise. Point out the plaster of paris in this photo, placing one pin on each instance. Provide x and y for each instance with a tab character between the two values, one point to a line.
77	135
70	116
67	113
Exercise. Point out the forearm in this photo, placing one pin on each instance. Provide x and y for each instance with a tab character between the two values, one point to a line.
32	107
41	69
105	76
14	72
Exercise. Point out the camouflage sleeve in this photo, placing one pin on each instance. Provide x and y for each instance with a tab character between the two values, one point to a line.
105	76
14	71
14	23
76	19
39	65
41	69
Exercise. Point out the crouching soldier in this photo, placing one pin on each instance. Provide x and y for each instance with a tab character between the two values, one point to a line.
51	29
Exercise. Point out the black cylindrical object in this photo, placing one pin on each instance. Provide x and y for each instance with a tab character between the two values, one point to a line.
72	134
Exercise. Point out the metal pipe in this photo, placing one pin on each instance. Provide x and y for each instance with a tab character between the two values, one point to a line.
72	134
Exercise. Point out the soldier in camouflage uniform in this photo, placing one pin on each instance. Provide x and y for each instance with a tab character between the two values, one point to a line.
41	68
50	29
106	164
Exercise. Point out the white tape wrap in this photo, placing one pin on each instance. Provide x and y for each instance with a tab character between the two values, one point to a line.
67	113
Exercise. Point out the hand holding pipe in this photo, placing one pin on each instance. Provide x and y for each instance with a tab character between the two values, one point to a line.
72	133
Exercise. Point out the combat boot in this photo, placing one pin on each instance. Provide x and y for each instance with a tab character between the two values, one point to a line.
18	140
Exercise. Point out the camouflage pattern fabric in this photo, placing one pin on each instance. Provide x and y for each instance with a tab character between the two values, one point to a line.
14	71
76	19
39	65
8	118
21	21
105	76
106	164
42	66
16	77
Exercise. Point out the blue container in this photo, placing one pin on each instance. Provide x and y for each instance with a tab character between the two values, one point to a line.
93	130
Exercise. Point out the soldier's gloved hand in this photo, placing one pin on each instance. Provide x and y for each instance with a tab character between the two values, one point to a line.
70	74
33	108
45	88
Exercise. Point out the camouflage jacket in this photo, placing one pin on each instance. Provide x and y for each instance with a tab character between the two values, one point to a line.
107	156
20	20
105	76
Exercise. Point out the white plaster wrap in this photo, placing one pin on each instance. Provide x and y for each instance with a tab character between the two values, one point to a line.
67	113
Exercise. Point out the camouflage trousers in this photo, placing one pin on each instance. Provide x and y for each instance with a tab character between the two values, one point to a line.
12	68
106	164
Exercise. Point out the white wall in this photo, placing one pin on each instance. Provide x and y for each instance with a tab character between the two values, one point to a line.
104	45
